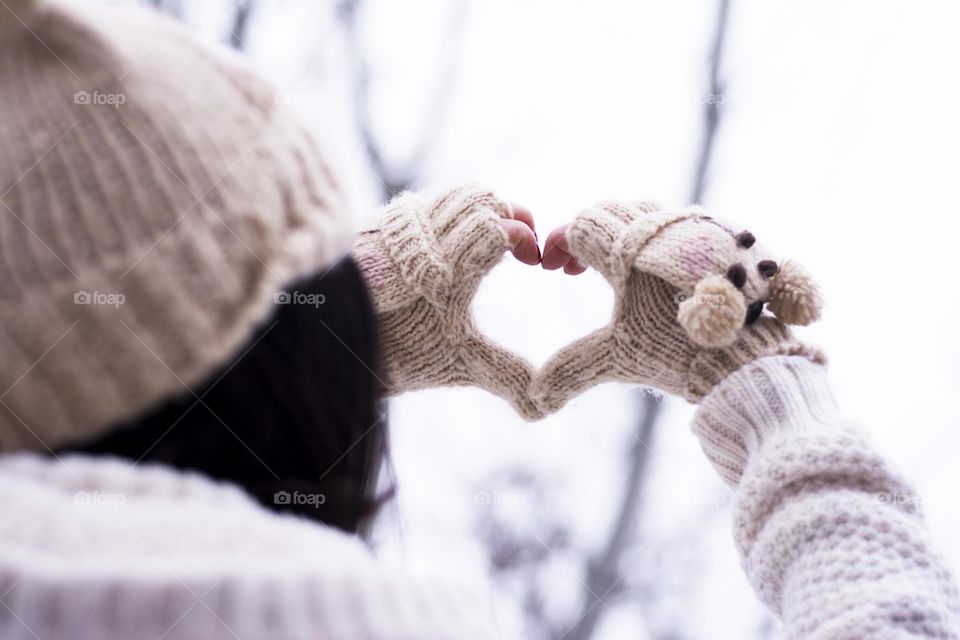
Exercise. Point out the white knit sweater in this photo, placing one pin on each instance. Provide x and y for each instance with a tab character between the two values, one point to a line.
102	550
830	536
831	539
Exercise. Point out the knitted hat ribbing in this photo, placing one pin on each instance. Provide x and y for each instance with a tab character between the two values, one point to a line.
153	197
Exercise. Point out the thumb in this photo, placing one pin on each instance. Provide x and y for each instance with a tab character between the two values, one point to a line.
466	224
573	370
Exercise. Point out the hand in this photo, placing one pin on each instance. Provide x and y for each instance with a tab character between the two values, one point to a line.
689	297
423	262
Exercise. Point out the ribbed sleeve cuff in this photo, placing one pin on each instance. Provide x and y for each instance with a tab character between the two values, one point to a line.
768	397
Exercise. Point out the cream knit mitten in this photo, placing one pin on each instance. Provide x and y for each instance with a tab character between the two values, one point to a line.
423	262
689	298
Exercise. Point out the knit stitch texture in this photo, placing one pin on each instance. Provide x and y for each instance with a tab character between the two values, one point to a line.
661	264
831	537
423	261
101	549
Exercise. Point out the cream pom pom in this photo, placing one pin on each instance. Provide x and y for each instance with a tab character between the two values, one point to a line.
714	313
795	297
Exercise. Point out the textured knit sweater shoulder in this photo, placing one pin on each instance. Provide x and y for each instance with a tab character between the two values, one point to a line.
831	538
96	549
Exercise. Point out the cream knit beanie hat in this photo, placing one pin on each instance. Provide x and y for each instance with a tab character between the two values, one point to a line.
153	198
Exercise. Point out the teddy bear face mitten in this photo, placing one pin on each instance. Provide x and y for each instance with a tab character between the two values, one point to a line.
690	298
423	261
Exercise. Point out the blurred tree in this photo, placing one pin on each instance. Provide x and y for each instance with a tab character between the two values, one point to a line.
173	7
713	102
605	582
523	547
395	177
241	23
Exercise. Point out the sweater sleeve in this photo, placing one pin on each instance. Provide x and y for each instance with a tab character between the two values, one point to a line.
831	538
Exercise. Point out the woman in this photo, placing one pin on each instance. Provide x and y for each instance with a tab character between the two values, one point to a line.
190	352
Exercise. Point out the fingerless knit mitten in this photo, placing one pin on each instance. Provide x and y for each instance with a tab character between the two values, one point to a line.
689	303
423	262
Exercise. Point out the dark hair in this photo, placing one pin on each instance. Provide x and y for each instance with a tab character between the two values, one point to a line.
296	417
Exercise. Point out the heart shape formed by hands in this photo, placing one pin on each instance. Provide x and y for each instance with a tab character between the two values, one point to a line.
689	297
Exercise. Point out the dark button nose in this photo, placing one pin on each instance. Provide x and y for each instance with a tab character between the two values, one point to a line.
767	268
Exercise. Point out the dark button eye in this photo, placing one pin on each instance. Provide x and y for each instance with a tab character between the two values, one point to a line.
754	311
767	268
745	239
737	274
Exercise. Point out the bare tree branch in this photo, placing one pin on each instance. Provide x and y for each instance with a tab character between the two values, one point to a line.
604	583
241	23
172	7
395	179
712	104
520	555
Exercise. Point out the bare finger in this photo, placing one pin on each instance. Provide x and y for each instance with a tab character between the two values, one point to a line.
523	242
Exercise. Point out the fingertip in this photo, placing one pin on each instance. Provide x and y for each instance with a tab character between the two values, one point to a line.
528	252
524	215
557	237
555	254
553	258
573	268
522	241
